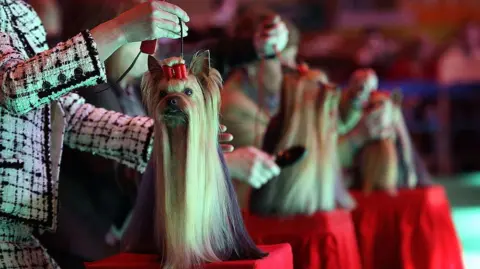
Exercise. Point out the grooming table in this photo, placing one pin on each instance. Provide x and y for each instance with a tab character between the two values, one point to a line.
413	230
325	240
279	257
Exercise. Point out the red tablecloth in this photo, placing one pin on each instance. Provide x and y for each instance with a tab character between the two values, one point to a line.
413	230
325	240
279	257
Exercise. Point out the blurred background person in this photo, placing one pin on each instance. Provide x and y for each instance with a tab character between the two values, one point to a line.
461	62
228	50
251	93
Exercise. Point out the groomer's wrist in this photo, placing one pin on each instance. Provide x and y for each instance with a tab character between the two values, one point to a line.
229	161
109	37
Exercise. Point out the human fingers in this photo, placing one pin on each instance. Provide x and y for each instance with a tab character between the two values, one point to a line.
223	128
226	148
162	14
260	176
166	25
225	137
173	9
268	165
162	33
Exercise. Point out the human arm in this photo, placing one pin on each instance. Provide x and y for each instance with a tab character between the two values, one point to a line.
247	131
112	135
349	133
351	138
32	78
252	166
245	134
242	117
371	125
28	84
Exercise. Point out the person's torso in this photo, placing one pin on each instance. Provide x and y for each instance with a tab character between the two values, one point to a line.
28	156
244	117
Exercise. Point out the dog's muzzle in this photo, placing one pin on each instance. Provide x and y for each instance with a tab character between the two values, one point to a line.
173	103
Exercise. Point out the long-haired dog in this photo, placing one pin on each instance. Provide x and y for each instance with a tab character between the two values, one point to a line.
378	160
307	117
389	163
196	215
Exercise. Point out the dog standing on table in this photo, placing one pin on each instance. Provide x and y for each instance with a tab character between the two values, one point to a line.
196	217
388	162
379	159
307	117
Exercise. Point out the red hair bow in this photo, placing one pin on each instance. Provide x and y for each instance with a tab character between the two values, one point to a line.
178	71
379	94
302	68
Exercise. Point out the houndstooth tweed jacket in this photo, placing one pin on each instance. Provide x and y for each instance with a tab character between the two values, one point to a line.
39	113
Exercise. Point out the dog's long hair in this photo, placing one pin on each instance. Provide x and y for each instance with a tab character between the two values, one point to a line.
308	113
379	160
197	218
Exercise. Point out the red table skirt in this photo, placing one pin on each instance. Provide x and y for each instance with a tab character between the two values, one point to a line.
413	230
325	240
279	256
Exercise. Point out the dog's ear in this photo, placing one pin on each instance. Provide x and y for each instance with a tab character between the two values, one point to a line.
397	96
153	65
201	63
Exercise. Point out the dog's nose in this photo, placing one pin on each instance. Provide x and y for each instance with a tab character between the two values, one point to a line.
172	102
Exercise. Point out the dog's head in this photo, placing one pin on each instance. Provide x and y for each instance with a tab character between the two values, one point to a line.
174	92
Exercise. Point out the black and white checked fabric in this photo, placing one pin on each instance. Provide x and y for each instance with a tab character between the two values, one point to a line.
106	133
39	113
20	250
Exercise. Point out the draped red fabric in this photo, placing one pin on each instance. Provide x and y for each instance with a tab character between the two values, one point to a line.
325	240
279	257
413	230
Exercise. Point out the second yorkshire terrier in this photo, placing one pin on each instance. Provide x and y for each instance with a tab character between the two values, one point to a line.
379	166
196	215
307	117
389	163
386	163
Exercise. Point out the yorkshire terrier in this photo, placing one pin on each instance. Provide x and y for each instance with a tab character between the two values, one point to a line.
196	219
308	117
386	162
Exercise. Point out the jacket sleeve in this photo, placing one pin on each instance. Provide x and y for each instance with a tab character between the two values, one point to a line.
28	84
128	140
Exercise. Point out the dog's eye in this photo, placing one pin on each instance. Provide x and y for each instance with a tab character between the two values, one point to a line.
188	91
163	94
